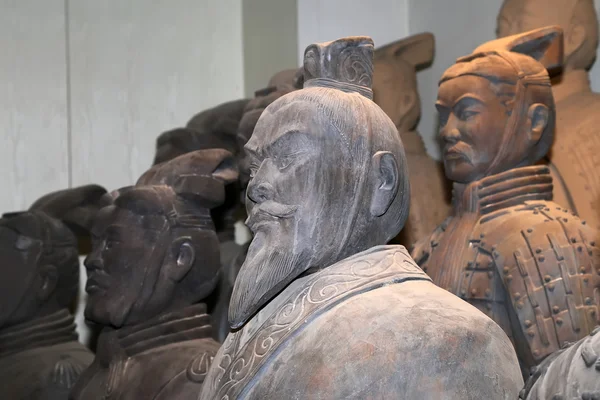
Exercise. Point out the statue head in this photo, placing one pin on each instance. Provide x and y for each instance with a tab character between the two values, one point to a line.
40	256
395	78
155	248
495	106
328	175
577	18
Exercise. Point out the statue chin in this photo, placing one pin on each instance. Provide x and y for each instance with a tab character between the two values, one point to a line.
269	267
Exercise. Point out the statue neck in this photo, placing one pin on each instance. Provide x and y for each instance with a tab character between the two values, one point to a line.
569	83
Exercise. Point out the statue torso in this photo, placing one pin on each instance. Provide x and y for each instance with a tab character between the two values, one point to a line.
41	359
162	360
370	325
527	263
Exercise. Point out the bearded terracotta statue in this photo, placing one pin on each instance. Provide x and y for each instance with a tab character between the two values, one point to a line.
40	357
155	258
395	91
574	160
321	307
508	249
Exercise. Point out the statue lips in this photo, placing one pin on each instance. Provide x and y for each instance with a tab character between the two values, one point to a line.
268	211
94	283
455	154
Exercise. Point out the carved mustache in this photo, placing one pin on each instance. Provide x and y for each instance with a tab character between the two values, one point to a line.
458	151
270	209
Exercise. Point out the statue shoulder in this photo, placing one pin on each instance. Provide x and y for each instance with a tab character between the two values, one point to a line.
65	372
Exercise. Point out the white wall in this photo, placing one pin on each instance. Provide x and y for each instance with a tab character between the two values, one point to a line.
324	20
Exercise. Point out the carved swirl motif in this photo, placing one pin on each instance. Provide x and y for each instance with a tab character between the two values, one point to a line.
355	68
238	363
199	366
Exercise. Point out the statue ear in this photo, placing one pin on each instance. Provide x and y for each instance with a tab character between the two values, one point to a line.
180	259
574	38
385	169
537	116
417	50
48	279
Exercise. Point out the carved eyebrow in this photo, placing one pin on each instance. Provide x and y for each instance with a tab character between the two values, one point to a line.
282	140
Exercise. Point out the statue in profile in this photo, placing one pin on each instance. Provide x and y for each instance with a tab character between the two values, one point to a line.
40	356
508	249
574	160
155	258
321	307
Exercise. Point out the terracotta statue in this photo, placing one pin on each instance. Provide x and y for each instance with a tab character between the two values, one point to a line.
155	258
570	373
215	128
574	156
40	357
395	91
526	262
321	308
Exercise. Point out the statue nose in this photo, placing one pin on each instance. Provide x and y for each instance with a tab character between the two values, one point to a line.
260	192
92	262
451	135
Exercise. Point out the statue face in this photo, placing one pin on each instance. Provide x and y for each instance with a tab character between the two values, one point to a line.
124	267
296	190
472	121
19	265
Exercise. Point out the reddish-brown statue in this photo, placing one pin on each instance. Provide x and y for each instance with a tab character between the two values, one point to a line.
508	249
574	159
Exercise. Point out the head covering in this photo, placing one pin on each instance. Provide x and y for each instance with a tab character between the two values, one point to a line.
522	60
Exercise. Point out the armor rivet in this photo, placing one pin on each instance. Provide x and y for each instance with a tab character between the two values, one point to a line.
519	304
488	292
541	258
546	209
535	353
551	287
536	212
573	240
579	248
530	333
588	301
473	292
559	321
506	270
490	274
582	269
593	243
566	220
538	251
586	279
463	292
583	222
547	278
509	278
482	235
517	295
565	210
488	306
529	230
555	309
528	323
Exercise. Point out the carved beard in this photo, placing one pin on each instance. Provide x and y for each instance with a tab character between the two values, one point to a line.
269	267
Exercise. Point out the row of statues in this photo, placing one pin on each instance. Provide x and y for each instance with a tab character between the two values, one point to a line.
497	296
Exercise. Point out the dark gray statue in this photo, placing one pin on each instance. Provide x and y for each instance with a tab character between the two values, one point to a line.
321	309
155	258
40	357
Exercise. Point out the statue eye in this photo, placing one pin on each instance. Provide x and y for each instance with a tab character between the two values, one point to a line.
443	117
466	115
284	161
253	167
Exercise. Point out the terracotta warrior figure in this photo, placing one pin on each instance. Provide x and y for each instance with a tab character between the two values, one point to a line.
155	258
570	373
526	262
395	91
574	156
322	308
215	128
40	357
